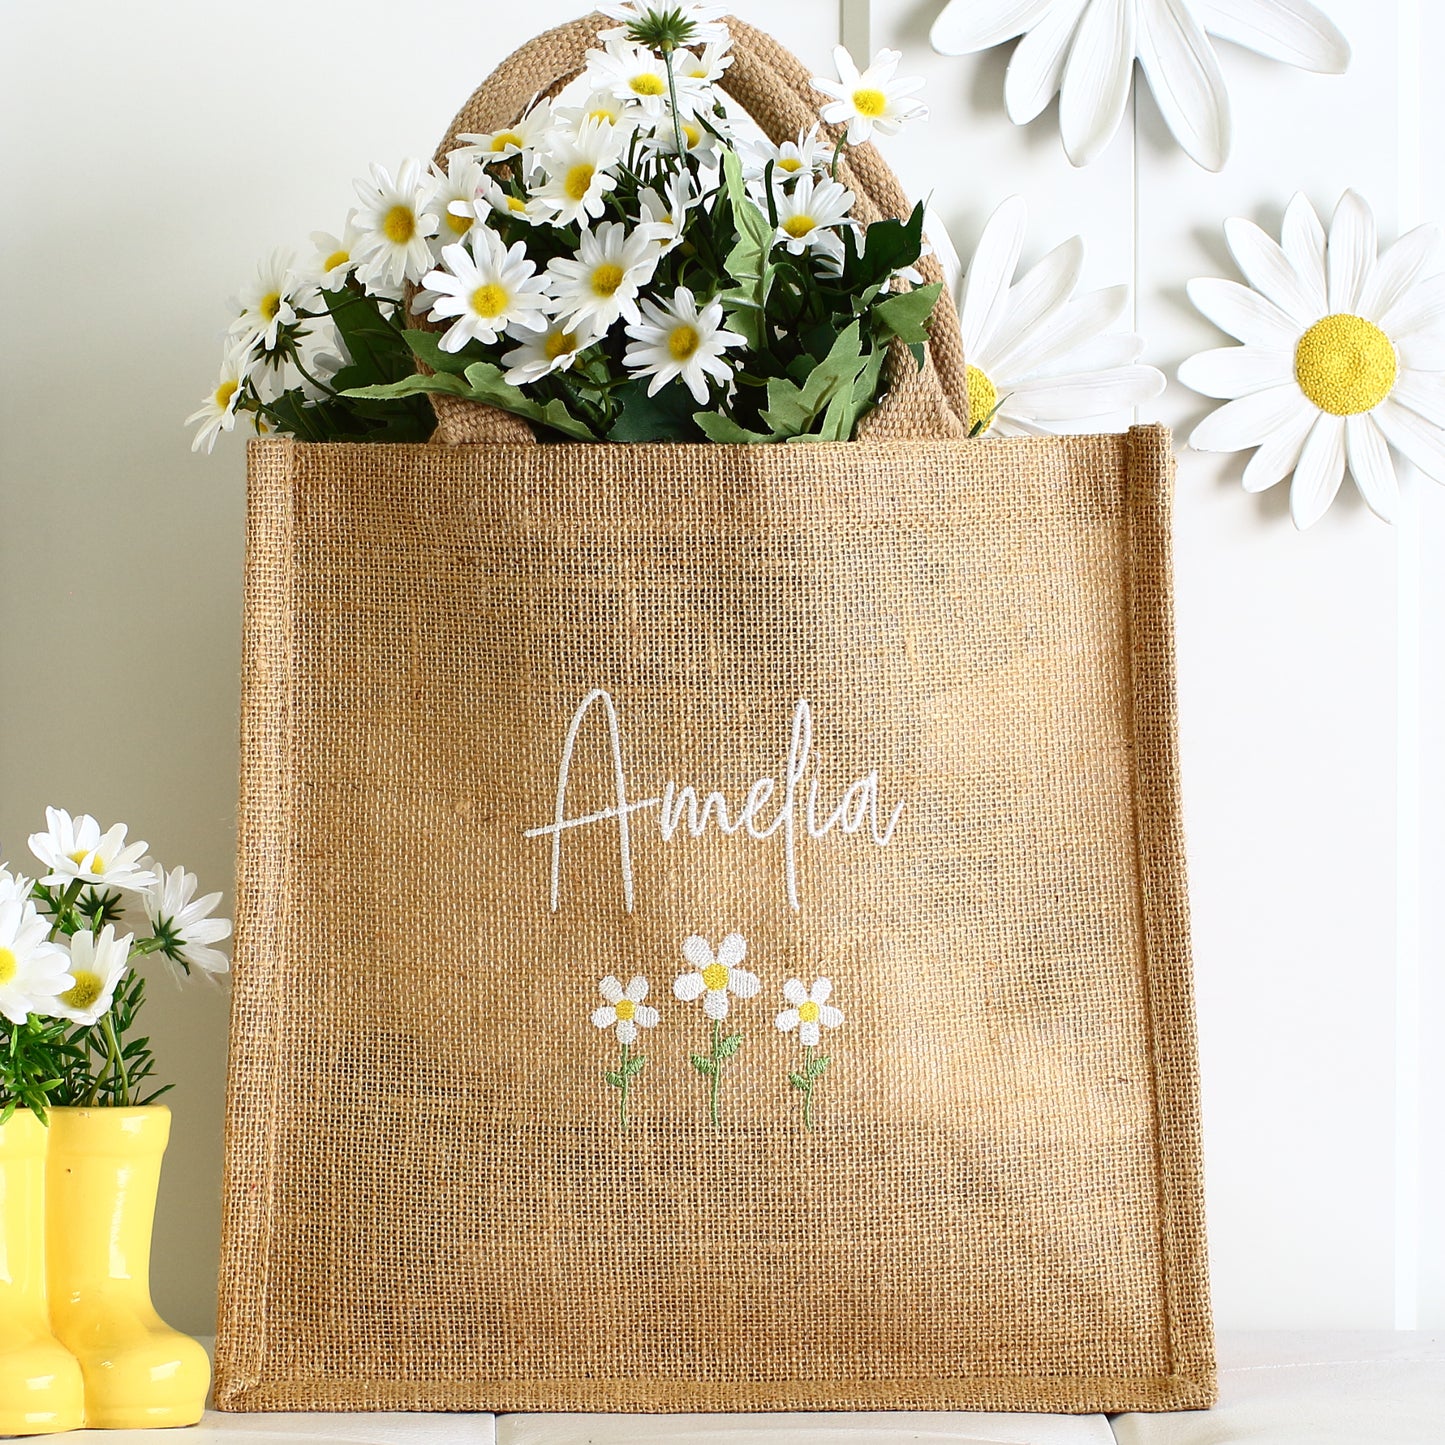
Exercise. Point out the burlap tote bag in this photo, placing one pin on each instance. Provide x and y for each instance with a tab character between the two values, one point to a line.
712	927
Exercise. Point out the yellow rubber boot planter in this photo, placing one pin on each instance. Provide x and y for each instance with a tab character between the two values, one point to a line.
40	1387
103	1170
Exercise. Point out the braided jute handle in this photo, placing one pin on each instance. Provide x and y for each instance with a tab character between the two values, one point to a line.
775	89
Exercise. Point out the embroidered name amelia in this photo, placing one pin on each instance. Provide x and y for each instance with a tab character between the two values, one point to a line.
787	809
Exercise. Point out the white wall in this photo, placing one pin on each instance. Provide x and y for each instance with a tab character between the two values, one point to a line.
156	149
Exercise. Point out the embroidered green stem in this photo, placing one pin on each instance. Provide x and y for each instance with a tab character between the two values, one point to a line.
622	1092
629	1066
804	1079
724	1046
716	1065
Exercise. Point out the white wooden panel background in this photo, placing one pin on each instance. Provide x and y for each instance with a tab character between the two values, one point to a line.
157	149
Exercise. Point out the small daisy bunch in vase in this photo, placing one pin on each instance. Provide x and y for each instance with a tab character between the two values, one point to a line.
70	991
630	260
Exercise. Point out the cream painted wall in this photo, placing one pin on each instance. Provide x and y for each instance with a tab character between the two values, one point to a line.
157	149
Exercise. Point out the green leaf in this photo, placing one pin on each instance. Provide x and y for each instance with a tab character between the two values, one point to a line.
666	417
635	1065
426	345
614	1078
798	1082
747	261
817	1066
703	1065
729	1045
888	246
905	314
487	385
792	409
443	382
717	427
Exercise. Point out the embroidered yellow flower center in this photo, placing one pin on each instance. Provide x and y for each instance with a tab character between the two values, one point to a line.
869	102
715	975
789	163
270	305
579	179
9	965
625	1008
647	84
399	225
84	992
808	1012
335	259
1345	365
559	343
799	226
458	225
224	393
489	301
681	344
505	138
982	399
606	278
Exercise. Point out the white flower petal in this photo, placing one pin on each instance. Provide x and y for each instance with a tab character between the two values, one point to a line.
787	1019
646	1016
1302	239
969	25
605	1016
626	1031
986	285
1072	325
829	1016
1268	270
1183	73
1097	76
1350	255
610	989
1278	453
1232	371
742	983
1414	255
1293	31
1413	437
1243	313
637	989
715	1005
1423	350
822	990
1420	308
795	991
808	1033
1319	471
1040	292
1036	69
698	951
1423	392
1371	466
1118	348
1083	394
688	986
1249	420
732	950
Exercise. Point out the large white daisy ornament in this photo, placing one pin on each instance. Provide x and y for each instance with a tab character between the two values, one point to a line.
1084	51
1040	359
1343	357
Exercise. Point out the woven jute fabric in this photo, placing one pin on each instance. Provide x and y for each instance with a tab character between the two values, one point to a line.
430	1202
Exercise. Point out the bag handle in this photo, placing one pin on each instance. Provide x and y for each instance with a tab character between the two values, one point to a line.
774	87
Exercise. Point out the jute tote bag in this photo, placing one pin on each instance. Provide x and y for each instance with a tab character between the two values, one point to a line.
712	928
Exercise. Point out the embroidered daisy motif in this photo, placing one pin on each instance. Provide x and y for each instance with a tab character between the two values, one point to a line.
1343	357
1084	51
714	978
624	1013
808	1012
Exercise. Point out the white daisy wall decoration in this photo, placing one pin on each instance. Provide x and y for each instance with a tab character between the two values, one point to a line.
1084	52
1040	359
1342	357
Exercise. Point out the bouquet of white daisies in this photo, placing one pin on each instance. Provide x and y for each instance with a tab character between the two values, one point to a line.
630	261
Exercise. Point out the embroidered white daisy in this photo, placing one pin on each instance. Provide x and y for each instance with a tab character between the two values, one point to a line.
33	971
217	412
75	849
334	260
793	158
578	172
452	198
484	288
395	225
1084	50
715	976
624	1012
809	215
270	303
870	100
1343	357
808	1010
539	354
1040	359
703	20
183	922
518	139
601	282
97	963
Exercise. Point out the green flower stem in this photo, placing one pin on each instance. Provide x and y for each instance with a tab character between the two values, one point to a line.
837	151
117	1060
808	1088
672	96
64	905
717	1062
622	1091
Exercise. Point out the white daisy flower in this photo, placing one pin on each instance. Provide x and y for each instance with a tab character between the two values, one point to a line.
14	887
600	106
541	353
715	975
488	289
75	848
624	1012
335	257
664	213
217	412
706	67
697	140
808	1010
578	172
1343	357
872	100
809	214
1040	359
270	303
601	282
1085	50
631	74
32	969
453	196
519	139
803	156
97	963
497	200
395	226
183	922
705	19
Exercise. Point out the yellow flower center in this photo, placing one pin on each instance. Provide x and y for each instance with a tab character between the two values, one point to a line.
647	84
9	965
489	300
982	399
458	225
626	1008
1345	365
606	115
224	393
789	163
579	180
808	1012
516	205
399	225
503	139
270	305
84	992
691	134
559	343
798	226
869	102
683	341
79	858
606	278
715	975
335	259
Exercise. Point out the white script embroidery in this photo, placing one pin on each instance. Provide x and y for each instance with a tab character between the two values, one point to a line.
857	806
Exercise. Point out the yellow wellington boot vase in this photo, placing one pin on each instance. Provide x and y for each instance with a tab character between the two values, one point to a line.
103	1170
40	1388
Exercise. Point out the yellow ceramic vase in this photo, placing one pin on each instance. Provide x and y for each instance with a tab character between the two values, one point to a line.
40	1385
102	1173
